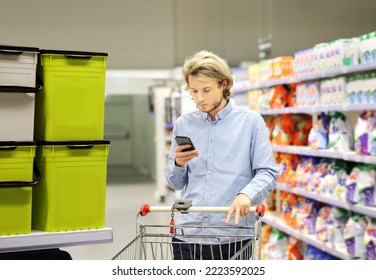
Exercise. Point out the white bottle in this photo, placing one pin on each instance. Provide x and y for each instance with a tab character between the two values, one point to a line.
372	46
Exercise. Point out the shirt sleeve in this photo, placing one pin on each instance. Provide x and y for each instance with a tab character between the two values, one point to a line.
263	165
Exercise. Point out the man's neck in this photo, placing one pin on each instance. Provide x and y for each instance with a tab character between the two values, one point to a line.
213	114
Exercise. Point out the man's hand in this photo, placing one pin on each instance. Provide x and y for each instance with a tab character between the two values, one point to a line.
240	206
181	158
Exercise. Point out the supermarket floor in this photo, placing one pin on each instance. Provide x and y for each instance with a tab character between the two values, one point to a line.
126	191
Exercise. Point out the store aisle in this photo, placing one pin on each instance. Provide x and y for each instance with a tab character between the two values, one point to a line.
124	198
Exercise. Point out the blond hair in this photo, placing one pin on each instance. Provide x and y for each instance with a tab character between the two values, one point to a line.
204	66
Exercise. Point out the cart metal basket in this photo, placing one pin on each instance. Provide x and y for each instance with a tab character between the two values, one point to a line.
161	242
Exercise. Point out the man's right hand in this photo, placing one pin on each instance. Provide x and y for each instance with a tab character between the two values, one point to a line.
181	158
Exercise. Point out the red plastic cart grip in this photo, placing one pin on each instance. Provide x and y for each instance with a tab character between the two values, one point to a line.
260	210
145	209
172	224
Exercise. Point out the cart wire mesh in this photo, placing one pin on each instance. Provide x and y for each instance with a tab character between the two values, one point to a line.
162	242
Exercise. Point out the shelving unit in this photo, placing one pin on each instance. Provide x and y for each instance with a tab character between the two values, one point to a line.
350	110
245	86
47	240
307	151
368	211
273	220
318	109
160	95
37	239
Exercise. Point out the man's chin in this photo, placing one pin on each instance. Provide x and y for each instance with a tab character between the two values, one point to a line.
202	109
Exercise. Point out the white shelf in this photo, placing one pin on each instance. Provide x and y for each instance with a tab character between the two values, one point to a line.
307	151
365	210
310	77
273	220
37	240
317	109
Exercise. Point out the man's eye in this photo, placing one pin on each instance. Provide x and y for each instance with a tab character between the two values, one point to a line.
207	90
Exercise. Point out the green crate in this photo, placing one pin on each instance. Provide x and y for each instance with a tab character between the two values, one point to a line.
16	161
70	105
72	192
16	172
15	209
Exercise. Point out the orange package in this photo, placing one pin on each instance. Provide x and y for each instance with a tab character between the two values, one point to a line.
288	164
269	122
270	201
303	125
283	131
279	97
294	249
288	204
291	97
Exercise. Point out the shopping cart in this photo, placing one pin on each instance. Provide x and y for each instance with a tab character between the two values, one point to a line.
161	242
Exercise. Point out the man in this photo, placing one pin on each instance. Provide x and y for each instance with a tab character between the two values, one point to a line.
233	164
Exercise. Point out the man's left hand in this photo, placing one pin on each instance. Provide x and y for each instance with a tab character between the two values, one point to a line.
239	207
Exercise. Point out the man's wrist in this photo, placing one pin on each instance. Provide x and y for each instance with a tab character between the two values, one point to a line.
178	164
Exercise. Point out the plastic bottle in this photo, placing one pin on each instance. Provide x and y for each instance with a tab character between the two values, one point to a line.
366	88
341	90
350	91
373	87
372	46
365	48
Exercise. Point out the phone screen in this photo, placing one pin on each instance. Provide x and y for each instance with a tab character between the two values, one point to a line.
184	140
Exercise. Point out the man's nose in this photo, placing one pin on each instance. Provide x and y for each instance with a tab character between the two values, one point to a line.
200	96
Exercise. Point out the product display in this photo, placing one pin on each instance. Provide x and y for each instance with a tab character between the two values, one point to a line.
45	186
326	191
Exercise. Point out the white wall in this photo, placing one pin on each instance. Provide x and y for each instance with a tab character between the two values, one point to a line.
159	34
136	33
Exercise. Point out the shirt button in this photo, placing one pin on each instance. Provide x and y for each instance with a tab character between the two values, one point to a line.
209	172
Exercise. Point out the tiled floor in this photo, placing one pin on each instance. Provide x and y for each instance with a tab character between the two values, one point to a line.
126	192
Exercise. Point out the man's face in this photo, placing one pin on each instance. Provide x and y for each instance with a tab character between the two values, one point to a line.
208	95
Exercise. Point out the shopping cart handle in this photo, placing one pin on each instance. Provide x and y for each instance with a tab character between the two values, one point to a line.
146	208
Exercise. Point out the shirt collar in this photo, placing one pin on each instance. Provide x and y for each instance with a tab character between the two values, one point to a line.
221	114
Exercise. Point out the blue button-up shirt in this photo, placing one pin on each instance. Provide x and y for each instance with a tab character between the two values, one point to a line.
235	156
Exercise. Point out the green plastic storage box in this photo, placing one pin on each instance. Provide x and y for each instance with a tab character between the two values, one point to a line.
16	175
70	105
72	192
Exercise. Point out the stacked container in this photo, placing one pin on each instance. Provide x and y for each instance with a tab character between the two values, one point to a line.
71	153
72	192
70	105
17	146
16	182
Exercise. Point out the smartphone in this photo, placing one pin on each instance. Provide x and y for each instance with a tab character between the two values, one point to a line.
184	140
